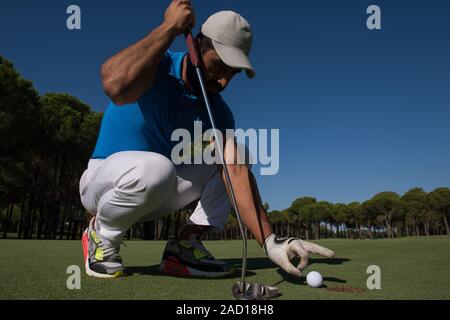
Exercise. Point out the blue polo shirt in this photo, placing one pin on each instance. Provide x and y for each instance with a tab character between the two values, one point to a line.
147	124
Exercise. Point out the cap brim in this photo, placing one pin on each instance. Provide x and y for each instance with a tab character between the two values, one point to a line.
234	58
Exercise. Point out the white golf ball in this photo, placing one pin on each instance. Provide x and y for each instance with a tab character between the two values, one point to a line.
314	279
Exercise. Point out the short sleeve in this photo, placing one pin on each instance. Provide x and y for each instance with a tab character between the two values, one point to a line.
163	68
161	79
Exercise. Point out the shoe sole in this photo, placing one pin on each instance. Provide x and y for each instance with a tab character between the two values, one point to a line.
177	270
91	273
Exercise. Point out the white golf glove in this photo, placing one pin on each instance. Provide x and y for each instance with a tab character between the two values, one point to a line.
282	250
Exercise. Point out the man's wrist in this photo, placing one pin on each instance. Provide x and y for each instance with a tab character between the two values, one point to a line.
169	30
267	242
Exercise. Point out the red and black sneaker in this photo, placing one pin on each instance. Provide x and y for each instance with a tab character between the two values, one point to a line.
191	259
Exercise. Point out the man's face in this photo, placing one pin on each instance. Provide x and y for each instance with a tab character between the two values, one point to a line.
217	74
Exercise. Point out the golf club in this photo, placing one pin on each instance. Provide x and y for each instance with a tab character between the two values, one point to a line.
241	290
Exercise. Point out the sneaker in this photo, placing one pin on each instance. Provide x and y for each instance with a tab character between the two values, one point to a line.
100	259
191	259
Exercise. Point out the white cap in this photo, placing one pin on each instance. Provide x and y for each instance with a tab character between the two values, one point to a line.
232	39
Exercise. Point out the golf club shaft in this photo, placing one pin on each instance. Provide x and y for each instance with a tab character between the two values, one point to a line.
195	61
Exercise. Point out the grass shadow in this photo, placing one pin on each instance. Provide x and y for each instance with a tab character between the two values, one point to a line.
333	261
252	265
154	271
302	280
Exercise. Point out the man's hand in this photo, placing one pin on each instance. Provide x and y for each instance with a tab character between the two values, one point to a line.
282	250
179	16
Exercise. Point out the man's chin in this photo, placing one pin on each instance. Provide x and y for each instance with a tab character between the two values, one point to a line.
213	90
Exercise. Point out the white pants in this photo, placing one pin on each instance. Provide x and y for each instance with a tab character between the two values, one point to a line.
133	186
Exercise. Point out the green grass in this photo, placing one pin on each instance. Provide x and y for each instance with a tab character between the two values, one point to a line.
411	268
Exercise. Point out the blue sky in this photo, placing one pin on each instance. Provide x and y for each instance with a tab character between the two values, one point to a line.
359	111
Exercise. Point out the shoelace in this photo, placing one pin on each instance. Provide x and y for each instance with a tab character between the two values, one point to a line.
111	251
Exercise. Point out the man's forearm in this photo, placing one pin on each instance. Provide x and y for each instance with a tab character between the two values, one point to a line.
248	202
130	73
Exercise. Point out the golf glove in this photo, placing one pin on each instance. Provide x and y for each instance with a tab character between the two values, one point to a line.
282	250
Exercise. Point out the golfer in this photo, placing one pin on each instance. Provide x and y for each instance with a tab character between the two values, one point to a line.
131	175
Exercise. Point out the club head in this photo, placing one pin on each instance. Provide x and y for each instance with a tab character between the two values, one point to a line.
254	291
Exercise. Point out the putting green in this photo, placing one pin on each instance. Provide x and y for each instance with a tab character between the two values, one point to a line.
411	268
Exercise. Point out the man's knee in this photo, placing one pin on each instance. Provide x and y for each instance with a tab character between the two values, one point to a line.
159	174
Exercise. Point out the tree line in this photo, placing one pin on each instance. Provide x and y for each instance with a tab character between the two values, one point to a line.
47	140
387	214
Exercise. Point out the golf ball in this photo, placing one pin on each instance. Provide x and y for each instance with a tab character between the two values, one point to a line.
314	279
